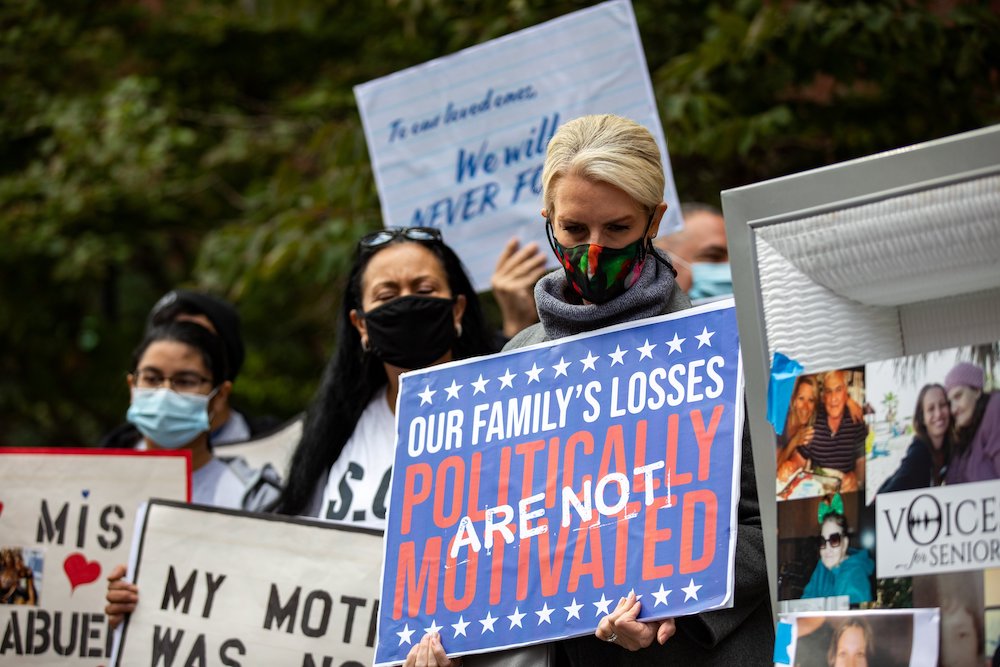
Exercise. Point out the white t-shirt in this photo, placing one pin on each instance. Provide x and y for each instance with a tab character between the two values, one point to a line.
215	484
358	487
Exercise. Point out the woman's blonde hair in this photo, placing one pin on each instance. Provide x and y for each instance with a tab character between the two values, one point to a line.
609	149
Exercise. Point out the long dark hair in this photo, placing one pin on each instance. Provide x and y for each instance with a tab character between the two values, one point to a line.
352	377
195	336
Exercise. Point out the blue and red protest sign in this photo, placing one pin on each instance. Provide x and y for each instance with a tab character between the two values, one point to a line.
532	489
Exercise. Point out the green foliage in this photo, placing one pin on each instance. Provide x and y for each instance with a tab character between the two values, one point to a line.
216	144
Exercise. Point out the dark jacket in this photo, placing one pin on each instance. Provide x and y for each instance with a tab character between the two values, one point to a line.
915	471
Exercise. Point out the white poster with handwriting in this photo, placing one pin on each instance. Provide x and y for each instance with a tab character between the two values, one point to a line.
458	143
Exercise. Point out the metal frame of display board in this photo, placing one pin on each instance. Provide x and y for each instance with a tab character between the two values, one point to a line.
917	168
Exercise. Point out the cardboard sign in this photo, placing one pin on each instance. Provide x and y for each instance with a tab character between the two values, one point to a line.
223	587
458	142
66	519
532	489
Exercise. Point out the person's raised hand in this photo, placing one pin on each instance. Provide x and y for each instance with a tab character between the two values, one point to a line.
513	282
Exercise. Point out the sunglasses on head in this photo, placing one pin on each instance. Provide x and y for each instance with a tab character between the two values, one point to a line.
383	236
834	540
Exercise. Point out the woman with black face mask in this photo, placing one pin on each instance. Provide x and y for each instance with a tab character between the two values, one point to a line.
409	304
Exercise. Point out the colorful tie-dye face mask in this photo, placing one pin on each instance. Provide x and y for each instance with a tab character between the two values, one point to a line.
599	274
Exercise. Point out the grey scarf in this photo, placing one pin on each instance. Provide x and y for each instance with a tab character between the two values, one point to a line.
563	313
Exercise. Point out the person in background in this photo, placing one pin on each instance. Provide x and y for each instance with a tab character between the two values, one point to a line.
178	380
976	414
699	253
926	458
841	570
229	425
602	189
177	383
409	304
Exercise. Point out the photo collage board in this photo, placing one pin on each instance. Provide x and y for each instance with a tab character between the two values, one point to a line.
888	502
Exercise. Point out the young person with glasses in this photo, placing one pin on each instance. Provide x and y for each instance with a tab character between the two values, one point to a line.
842	569
408	304
178	380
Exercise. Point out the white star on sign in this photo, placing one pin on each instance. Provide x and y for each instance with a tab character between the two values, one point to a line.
561	367
405	634
452	389
675	344
533	373
515	619
645	351
425	395
690	591
544	613
618	356
589	361
661	596
573	611
480	385
460	627
507	379
488	622
602	605
705	337
434	628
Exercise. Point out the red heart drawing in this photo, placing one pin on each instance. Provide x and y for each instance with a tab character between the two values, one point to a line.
1	508
80	570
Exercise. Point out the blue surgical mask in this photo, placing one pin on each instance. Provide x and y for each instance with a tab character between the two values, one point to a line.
710	281
168	418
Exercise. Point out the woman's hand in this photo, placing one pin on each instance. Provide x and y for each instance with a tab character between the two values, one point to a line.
122	597
430	653
623	627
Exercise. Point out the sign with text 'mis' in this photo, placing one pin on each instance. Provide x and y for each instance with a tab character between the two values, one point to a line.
458	142
222	587
532	489
66	519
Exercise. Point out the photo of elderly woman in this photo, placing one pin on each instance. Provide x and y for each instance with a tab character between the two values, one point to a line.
976	413
818	554
936	420
821	449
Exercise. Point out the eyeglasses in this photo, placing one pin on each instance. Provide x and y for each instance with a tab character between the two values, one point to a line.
833	540
181	382
383	236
